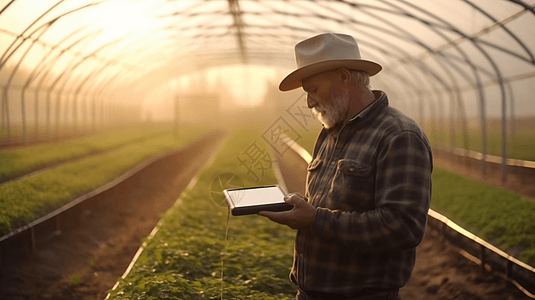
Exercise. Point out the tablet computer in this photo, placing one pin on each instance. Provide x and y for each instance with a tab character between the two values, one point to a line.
247	201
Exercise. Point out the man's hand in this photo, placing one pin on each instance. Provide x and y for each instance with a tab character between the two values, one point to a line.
300	215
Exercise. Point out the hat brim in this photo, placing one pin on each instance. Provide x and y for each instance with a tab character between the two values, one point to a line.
293	80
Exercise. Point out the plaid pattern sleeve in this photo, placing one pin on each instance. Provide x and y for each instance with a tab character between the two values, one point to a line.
371	186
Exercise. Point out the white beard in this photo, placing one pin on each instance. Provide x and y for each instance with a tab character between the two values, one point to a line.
331	115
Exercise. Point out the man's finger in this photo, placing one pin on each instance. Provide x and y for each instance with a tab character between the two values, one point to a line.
264	213
295	200
278	217
289	200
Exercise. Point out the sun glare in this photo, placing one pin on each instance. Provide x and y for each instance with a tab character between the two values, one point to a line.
246	84
122	17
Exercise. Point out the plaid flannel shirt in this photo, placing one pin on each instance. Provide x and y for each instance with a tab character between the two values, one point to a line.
370	182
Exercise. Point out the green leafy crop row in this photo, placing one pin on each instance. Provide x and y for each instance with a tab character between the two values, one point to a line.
29	198
18	161
519	146
185	258
492	213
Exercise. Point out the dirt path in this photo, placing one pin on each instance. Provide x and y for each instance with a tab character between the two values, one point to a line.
85	261
440	273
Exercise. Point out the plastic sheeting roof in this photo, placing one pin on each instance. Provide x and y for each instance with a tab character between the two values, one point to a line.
477	53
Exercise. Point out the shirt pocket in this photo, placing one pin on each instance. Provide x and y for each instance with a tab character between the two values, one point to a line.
353	186
312	174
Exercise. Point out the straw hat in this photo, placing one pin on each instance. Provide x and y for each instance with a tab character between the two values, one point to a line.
324	52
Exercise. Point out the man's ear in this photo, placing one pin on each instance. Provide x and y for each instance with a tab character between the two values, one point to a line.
344	75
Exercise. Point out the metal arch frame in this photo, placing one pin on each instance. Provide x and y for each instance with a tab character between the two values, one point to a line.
424	68
454	93
457	94
71	67
369	25
7	54
39	68
507	83
526	6
6	6
501	24
223	58
47	70
461	102
43	30
235	11
13	49
113	74
102	68
116	43
436	24
48	24
311	31
499	48
499	78
111	61
14	71
496	69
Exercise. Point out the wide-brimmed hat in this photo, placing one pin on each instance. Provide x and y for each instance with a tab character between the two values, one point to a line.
324	52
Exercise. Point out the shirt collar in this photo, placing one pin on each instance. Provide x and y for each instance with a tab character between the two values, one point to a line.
380	102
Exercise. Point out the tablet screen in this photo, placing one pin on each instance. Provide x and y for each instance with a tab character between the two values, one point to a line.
256	196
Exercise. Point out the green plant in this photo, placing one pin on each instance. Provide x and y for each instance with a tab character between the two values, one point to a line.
520	145
26	199
492	213
18	161
185	258
75	279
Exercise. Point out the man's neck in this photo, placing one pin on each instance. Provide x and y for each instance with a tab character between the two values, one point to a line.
363	98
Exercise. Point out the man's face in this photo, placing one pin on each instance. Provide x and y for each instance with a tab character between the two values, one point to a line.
328	102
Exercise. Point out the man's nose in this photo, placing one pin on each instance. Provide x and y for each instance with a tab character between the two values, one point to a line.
310	101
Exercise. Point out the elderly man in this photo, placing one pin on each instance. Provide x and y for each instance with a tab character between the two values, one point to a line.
368	186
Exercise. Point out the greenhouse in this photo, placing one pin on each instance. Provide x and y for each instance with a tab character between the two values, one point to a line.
464	70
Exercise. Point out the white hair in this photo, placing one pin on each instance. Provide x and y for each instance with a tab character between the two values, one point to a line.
361	78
